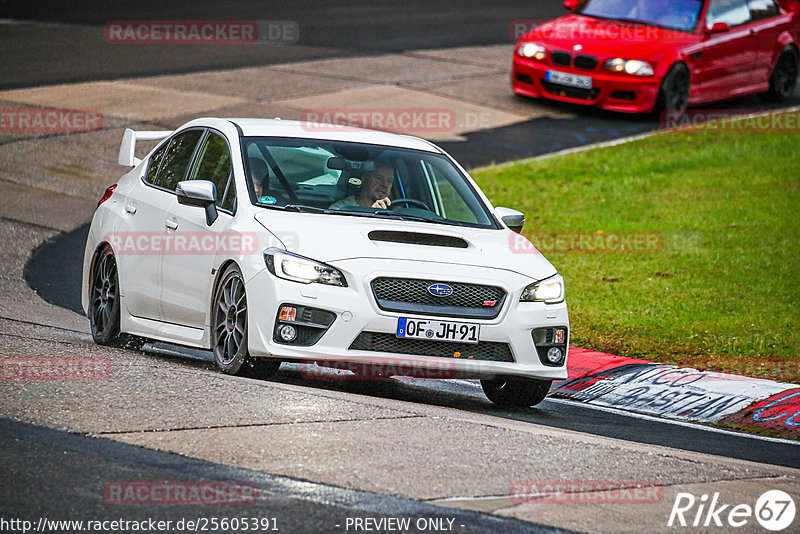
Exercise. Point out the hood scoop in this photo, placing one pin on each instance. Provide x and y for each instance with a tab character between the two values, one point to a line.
417	238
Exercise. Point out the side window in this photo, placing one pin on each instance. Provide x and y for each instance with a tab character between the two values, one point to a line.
155	162
731	12
215	166
176	159
763	9
450	202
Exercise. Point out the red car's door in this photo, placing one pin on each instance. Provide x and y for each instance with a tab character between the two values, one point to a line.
766	28
726	60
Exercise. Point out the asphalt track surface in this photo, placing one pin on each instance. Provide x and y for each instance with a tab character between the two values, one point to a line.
69	50
349	28
85	464
55	272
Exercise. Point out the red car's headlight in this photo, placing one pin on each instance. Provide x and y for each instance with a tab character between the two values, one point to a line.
630	66
531	51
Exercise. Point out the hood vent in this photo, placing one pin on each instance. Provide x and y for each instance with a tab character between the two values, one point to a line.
415	238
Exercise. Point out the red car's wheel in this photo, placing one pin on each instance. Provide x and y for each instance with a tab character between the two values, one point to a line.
784	76
674	92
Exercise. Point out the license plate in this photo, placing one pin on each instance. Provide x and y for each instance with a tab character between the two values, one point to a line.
438	330
572	80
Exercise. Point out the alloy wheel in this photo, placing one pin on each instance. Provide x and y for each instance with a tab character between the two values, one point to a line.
230	319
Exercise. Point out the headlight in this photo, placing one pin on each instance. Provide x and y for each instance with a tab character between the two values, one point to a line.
631	66
300	269
532	50
550	291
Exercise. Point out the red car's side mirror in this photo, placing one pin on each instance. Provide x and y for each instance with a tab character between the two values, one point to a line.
571	5
719	27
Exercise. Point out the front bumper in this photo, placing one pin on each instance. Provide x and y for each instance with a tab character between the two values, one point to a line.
614	92
356	311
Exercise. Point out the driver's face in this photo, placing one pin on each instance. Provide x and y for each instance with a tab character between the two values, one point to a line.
377	184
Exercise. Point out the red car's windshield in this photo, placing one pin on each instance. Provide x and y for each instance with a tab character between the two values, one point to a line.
679	15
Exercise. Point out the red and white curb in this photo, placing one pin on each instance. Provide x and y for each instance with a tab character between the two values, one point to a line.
680	393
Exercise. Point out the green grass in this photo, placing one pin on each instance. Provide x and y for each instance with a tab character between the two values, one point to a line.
722	291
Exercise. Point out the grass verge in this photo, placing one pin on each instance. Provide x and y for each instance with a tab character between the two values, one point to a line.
679	248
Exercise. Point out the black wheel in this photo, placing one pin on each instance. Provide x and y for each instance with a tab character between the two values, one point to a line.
516	392
104	304
229	330
784	76
674	92
409	202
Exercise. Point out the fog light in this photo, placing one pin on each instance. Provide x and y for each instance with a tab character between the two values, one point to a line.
559	336
288	313
554	355
288	333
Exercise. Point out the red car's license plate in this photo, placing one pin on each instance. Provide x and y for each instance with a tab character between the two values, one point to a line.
572	80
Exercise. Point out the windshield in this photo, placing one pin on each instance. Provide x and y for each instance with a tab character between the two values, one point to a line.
673	14
321	176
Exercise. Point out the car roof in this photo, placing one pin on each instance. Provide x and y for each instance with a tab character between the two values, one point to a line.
311	130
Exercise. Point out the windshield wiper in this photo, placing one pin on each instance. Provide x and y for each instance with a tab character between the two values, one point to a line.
383	214
304	209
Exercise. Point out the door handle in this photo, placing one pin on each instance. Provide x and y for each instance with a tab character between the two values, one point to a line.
130	208
172	224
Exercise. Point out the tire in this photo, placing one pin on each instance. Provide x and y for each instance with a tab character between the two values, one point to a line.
783	80
104	304
673	96
229	330
516	392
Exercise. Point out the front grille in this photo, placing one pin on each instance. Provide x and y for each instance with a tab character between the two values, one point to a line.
585	62
411	295
570	92
382	342
561	58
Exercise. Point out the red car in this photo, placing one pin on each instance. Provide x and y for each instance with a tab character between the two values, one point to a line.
640	56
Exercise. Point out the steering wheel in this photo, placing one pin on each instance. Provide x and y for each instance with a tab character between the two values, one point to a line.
409	201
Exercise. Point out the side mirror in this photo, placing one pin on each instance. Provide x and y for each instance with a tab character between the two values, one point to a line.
571	5
201	193
514	219
719	27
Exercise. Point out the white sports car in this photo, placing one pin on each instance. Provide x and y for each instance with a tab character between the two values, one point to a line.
269	241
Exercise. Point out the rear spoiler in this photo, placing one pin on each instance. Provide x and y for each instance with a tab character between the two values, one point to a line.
128	146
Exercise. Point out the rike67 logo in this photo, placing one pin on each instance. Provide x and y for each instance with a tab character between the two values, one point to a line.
774	510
